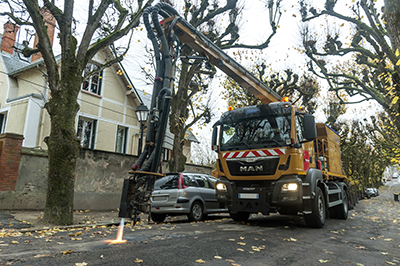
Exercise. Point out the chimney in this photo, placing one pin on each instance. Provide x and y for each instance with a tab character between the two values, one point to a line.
50	23
9	36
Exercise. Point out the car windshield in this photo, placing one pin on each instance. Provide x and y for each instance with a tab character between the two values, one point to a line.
268	130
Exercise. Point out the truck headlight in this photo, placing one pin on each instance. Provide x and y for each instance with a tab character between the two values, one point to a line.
290	187
221	187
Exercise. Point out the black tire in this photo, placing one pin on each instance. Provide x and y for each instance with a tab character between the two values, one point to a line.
158	217
240	216
318	211
342	210
196	212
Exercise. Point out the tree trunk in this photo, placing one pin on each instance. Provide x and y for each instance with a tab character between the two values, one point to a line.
178	160
392	13
63	149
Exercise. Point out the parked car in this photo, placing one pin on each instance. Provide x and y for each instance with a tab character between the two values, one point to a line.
371	192
376	192
192	194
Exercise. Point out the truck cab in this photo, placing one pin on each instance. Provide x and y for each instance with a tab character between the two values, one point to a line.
268	161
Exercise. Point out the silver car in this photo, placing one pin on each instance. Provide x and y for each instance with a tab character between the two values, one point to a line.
192	194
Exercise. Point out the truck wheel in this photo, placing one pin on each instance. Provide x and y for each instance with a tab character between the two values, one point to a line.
196	212
317	218
342	210
158	217
240	216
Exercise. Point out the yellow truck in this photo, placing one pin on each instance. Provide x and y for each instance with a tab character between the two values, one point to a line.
271	158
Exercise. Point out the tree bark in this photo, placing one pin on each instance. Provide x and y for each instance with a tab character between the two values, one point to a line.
392	13
63	149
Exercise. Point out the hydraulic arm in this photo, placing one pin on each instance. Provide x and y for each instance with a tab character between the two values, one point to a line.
166	35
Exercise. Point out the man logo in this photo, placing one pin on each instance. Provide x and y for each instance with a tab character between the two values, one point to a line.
256	168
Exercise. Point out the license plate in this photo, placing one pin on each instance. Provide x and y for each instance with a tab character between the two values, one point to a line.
248	196
160	198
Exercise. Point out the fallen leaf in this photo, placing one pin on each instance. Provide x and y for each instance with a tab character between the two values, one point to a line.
241	243
360	247
218	257
384	253
235	264
41	255
138	260
14	242
76	234
359	264
372	238
228	260
323	261
293	239
81	264
232	239
66	252
200	261
390	263
240	249
388	239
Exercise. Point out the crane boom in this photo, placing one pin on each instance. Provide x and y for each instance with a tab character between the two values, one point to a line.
138	187
200	43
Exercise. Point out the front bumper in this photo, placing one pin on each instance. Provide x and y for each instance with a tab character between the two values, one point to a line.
260	196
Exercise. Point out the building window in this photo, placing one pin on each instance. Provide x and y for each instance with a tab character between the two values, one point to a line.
3	117
93	83
121	141
166	154
87	132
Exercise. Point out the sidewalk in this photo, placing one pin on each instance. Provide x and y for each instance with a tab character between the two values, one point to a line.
32	220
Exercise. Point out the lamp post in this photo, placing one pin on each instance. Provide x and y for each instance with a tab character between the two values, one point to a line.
142	112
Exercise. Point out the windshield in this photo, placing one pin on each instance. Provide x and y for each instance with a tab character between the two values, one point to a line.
266	131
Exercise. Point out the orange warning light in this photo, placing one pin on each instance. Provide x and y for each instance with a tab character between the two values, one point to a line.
230	108
285	99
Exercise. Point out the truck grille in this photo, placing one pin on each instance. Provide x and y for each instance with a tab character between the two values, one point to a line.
260	167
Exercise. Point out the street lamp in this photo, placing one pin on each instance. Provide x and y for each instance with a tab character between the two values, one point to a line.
142	112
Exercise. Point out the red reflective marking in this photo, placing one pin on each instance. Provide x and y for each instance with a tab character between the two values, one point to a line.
278	151
245	154
267	152
256	153
235	154
226	155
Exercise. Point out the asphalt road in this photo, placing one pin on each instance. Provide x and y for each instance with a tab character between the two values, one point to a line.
369	237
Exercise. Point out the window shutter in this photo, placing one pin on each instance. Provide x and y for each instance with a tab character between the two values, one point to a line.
125	140
94	130
100	82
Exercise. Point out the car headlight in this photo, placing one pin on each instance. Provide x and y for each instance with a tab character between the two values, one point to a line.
290	187
221	187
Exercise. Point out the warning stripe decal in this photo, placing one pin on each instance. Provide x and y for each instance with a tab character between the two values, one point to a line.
249	154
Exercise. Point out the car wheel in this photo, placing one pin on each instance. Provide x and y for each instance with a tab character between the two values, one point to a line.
158	217
317	217
196	212
240	216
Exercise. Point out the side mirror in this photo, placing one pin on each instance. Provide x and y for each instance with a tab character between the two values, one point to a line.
214	145
310	130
